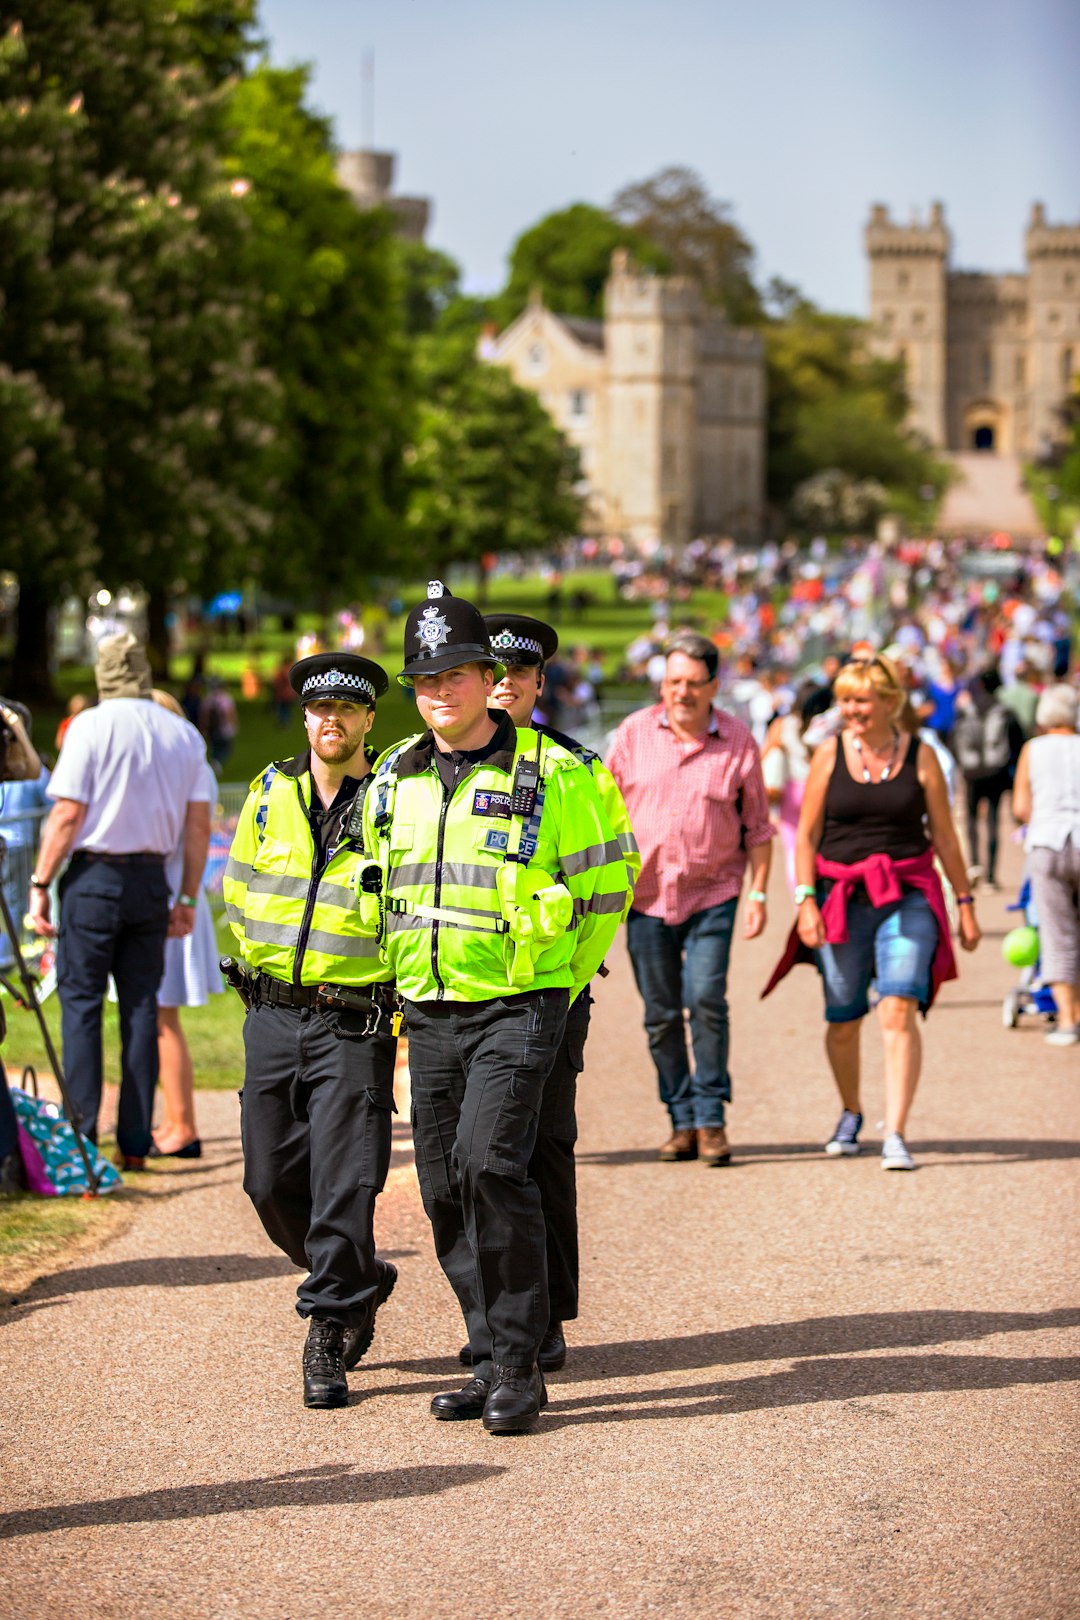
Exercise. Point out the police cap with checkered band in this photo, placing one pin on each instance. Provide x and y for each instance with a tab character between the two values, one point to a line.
442	633
518	639
341	675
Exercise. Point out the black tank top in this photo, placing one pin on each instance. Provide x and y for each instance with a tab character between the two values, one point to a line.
874	818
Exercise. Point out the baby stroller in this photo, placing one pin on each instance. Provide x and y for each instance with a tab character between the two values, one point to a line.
1031	994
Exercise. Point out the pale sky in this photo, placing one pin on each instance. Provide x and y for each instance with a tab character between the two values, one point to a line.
799	115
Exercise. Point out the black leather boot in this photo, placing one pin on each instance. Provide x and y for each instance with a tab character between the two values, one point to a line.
358	1339
552	1352
518	1394
325	1383
466	1402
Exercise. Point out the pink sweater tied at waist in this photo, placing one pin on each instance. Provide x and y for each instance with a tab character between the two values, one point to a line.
885	881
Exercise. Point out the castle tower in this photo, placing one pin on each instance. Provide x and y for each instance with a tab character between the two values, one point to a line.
368	177
651	325
908	309
1053	261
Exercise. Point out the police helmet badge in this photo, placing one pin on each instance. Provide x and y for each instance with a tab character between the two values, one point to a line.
431	631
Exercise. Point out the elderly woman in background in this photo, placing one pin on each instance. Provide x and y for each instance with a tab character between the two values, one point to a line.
871	911
1046	798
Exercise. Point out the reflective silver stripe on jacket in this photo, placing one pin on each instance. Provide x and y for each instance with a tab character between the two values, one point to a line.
461	873
268	933
600	904
399	921
593	855
627	843
240	871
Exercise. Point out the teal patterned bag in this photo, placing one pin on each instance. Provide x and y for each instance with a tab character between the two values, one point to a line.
50	1153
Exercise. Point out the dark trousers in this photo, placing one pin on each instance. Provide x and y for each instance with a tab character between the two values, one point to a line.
315	1120
9	1125
991	790
478	1074
113	919
686	965
552	1165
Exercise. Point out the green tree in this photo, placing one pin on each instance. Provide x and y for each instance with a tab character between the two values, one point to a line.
835	408
331	329
430	284
489	471
567	257
675	212
174	439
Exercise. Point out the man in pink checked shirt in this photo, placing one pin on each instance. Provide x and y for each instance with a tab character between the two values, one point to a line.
691	778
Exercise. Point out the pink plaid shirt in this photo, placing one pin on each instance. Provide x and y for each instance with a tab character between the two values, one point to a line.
695	812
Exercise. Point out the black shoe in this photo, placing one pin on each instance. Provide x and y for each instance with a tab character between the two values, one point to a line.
518	1394
324	1369
12	1175
466	1402
551	1355
190	1150
358	1339
465	1355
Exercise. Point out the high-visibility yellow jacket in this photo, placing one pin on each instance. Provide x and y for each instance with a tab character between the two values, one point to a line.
451	921
612	800
294	918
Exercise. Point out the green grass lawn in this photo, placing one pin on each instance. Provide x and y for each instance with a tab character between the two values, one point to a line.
214	1034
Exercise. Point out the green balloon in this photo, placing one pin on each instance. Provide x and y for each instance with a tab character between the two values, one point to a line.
1020	947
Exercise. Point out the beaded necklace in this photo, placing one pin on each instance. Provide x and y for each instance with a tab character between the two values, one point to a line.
856	743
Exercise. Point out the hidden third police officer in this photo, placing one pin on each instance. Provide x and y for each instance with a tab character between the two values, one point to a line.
525	644
302	899
503	890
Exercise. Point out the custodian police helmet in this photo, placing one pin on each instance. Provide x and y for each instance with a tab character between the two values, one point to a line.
342	675
518	639
442	633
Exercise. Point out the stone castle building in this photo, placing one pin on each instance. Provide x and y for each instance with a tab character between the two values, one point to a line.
664	399
989	358
368	177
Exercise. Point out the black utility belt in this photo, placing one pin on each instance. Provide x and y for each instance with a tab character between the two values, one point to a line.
270	992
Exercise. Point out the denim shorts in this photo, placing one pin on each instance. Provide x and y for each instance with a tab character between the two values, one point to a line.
888	947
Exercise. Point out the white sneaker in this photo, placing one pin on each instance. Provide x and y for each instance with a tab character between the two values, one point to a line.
1063	1037
894	1153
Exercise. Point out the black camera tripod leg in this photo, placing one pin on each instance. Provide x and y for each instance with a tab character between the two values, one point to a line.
30	996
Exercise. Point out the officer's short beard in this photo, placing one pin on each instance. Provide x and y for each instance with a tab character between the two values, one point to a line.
336	751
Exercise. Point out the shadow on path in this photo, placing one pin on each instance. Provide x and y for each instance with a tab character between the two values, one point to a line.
333	1485
995	1149
816	1336
821	1380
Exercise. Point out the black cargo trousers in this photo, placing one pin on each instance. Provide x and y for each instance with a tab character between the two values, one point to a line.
315	1121
479	1070
552	1165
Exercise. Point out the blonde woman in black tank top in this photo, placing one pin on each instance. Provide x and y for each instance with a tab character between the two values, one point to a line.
873	790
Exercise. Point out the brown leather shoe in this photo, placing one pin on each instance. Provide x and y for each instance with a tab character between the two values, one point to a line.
680	1145
713	1145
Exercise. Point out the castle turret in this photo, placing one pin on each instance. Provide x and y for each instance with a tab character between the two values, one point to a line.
1053	260
908	308
651	325
368	177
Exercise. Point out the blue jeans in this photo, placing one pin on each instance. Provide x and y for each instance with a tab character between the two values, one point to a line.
889	947
686	966
113	919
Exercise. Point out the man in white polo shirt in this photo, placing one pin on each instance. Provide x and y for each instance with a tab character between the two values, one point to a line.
129	781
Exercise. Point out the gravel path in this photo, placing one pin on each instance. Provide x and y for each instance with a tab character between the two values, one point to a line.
799	1387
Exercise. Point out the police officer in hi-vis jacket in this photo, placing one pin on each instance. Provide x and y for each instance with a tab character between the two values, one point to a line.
302	898
503	888
525	644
